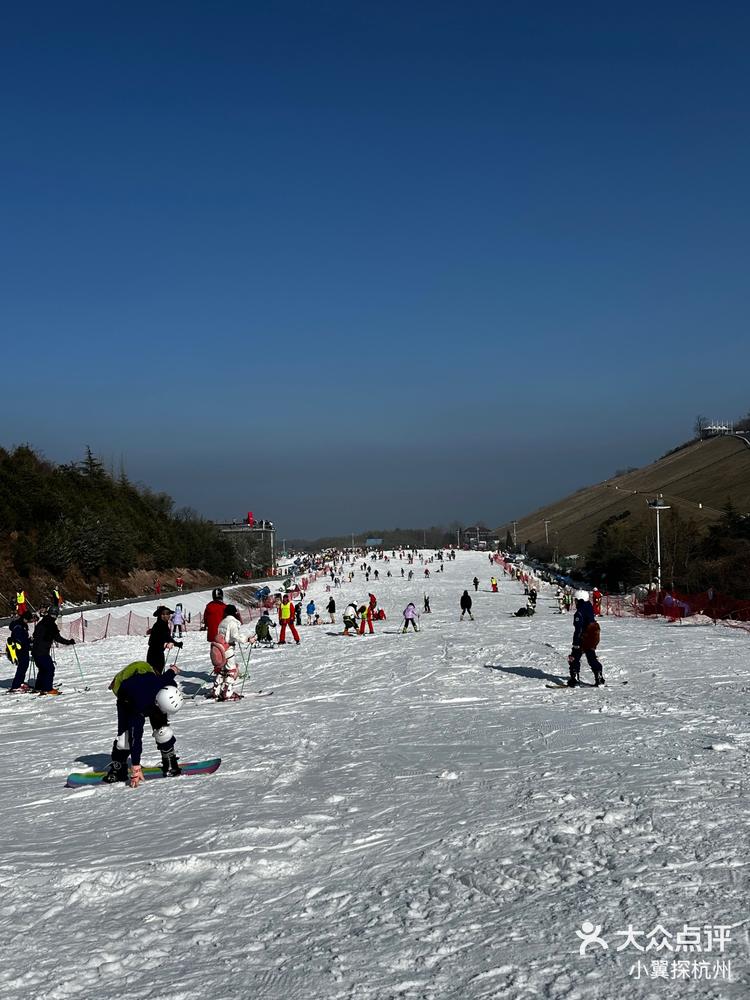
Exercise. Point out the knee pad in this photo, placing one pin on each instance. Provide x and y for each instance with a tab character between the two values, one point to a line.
164	737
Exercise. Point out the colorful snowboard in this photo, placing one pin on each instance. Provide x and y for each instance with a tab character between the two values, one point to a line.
77	780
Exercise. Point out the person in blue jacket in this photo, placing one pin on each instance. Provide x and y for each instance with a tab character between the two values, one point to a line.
141	692
586	634
19	649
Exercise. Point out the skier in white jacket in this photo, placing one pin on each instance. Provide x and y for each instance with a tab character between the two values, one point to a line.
228	636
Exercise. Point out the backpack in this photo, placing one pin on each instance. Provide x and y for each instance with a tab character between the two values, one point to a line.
263	631
219	649
591	636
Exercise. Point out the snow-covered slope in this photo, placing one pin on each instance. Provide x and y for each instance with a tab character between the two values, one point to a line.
409	816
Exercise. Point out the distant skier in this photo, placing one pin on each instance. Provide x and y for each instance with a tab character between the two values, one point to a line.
586	633
263	629
365	619
310	610
46	633
493	584
178	621
475	581
596	601
141	692
286	618
410	616
331	609
427	609
466	605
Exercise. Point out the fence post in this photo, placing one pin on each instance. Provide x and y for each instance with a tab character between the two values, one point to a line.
106	627
83	628
130	615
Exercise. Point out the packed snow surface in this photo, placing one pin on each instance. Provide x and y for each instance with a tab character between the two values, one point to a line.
407	816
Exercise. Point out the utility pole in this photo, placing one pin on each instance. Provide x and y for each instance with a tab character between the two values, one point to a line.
658	505
458	538
515	540
546	532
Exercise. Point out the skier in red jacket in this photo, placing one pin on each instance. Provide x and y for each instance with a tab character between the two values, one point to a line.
213	613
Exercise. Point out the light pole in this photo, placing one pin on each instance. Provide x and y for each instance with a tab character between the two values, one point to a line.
658	505
546	531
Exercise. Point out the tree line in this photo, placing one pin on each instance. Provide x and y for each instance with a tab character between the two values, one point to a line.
61	517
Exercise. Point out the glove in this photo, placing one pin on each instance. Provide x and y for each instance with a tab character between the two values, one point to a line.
179	645
72	642
136	775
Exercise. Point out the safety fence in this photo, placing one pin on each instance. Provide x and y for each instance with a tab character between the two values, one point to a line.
677	605
88	627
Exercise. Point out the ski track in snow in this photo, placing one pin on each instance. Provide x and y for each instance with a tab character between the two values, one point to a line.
409	816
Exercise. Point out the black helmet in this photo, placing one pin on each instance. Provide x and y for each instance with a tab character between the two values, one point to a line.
230	610
53	612
218	594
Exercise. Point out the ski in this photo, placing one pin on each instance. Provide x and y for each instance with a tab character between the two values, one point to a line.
80	779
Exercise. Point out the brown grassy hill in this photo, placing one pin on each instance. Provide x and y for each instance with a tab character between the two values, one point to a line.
696	481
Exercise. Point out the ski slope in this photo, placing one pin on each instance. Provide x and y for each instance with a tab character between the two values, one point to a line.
413	816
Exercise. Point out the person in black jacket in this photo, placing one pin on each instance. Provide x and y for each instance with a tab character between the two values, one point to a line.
45	634
160	638
466	605
585	640
19	648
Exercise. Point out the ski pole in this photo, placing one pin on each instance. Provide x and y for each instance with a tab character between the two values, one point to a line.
75	653
246	663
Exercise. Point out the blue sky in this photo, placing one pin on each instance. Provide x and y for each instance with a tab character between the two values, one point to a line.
367	265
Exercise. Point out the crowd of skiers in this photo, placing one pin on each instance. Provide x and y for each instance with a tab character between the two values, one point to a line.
148	690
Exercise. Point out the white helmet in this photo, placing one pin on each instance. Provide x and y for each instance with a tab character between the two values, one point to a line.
169	699
581	595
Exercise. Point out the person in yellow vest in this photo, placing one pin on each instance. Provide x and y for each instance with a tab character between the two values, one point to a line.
286	617
493	583
20	602
57	601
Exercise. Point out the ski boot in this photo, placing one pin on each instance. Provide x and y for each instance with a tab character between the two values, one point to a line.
170	768
598	678
117	771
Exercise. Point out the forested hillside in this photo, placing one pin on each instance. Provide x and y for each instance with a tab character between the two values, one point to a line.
77	525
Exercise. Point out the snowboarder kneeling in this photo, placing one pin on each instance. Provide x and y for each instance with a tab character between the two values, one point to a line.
141	692
586	635
525	612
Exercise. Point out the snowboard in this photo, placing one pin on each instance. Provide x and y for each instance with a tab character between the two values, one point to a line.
76	780
583	684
